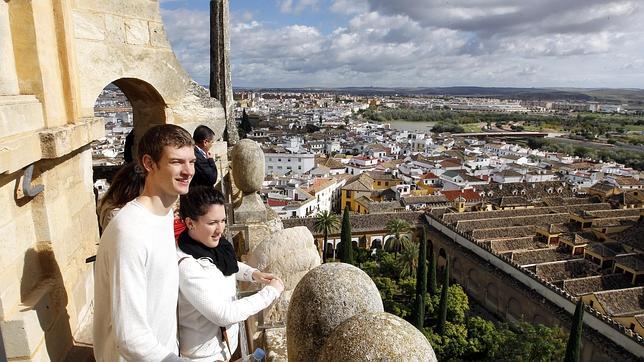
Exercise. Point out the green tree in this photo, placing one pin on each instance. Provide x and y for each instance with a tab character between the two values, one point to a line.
432	285
421	283
245	127
442	308
573	347
326	222
345	238
399	228
531	343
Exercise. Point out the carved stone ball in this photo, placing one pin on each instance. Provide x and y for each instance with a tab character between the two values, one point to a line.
376	337
288	254
324	298
248	166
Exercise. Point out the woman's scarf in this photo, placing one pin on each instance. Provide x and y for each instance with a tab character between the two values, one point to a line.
223	256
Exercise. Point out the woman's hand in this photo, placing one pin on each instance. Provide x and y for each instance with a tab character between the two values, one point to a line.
277	284
264	278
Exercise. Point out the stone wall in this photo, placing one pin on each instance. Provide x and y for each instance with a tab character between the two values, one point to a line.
47	287
510	292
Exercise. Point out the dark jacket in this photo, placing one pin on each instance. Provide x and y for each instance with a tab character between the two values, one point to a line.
205	170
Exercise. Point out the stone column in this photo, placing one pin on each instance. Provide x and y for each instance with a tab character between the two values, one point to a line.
8	77
220	78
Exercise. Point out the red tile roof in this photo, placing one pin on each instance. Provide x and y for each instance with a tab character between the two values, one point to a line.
468	194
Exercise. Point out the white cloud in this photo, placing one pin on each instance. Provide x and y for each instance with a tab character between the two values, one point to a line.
411	43
296	7
349	7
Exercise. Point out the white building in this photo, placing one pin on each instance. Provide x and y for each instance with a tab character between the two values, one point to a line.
279	163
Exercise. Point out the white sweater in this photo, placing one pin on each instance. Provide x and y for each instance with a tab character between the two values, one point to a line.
136	288
207	300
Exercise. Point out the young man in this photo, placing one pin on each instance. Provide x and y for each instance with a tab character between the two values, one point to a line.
205	168
136	276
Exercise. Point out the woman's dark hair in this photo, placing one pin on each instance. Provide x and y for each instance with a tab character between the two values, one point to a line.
197	201
126	185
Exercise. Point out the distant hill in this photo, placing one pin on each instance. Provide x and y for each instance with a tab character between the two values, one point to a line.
633	97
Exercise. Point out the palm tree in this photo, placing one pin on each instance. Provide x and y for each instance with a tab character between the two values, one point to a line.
399	228
326	222
408	258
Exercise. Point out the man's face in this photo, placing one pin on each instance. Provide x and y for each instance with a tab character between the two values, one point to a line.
206	144
172	174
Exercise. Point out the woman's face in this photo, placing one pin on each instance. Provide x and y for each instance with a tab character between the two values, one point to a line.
209	227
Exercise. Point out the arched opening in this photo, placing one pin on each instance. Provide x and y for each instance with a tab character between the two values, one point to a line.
513	310
441	261
376	244
362	242
126	104
492	297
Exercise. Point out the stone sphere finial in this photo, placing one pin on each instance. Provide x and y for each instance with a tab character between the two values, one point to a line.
325	297
248	166
376	337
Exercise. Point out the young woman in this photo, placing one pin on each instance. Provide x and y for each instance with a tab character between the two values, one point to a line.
126	185
208	271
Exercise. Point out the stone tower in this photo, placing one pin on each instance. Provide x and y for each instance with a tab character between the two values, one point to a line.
56	56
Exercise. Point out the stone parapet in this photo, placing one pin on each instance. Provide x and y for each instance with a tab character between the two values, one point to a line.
59	141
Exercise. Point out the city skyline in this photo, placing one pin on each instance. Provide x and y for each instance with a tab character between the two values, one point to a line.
339	43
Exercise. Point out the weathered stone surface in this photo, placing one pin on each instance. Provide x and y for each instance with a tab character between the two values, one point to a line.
136	32
115	28
8	77
275	343
197	108
57	142
376	337
157	35
327	296
289	254
248	166
88	25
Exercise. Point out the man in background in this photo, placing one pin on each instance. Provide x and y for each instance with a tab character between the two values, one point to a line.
205	168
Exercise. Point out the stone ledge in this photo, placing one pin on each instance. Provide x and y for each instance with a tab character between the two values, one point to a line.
19	151
59	141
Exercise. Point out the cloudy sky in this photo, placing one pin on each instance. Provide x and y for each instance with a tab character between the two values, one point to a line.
336	43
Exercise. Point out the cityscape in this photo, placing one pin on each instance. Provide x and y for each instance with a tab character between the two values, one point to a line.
392	180
569	221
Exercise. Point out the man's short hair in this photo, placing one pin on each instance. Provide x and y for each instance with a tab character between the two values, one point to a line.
157	137
203	133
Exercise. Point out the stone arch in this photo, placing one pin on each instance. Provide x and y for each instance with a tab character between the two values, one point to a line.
456	266
492	297
441	260
148	106
330	249
513	309
539	319
376	244
472	282
362	242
